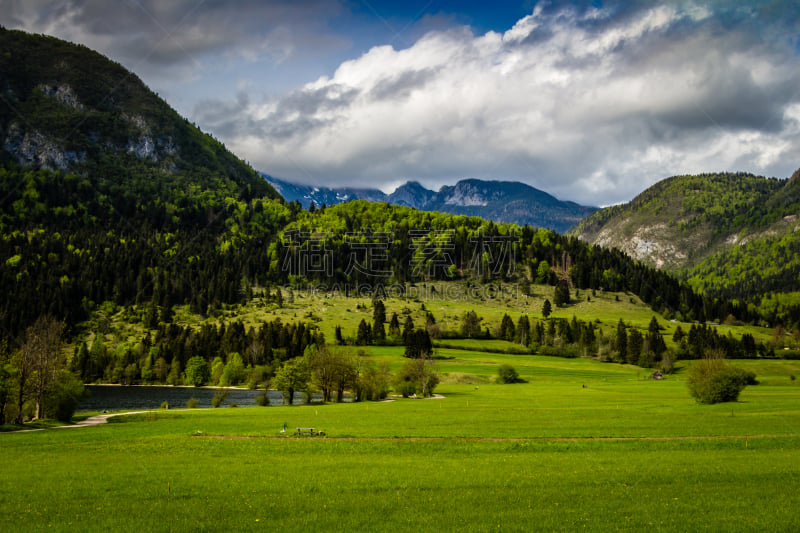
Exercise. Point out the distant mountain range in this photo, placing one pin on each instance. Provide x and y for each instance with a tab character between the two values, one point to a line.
499	201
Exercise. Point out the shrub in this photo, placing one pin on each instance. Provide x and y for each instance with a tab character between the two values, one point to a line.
417	377
507	374
165	405
64	396
192	403
406	388
219	397
714	381
263	400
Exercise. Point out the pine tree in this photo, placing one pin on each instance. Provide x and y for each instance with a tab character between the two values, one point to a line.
523	331
418	344
470	325
507	329
561	294
622	340
378	318
635	342
408	328
364	336
394	326
547	309
379	312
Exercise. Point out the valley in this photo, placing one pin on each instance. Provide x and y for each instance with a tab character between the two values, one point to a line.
485	357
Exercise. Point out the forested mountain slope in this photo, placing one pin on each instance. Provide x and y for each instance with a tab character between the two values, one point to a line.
680	221
106	192
732	236
66	108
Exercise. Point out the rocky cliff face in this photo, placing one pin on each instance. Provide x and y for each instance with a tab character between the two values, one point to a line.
467	194
43	149
412	194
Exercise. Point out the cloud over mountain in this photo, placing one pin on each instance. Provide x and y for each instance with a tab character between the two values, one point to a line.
592	105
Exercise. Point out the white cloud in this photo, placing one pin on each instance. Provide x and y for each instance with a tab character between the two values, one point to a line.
591	105
588	108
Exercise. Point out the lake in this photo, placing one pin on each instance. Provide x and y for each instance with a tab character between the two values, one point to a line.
121	398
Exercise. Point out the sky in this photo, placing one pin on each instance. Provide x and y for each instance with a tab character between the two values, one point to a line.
589	101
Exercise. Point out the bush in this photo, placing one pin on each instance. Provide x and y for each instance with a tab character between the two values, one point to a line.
407	389
64	396
192	403
263	400
714	381
507	374
417	377
219	397
165	405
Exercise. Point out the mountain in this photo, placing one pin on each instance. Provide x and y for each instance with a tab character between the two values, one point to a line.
734	236
305	194
412	194
506	201
499	201
108	195
66	108
680	221
114	210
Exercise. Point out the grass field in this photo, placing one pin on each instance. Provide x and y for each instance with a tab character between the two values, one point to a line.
447	301
624	453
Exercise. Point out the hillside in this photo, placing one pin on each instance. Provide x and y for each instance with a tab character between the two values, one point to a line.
499	201
680	221
106	193
732	236
68	109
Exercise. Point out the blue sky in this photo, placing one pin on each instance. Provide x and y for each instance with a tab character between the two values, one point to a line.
590	101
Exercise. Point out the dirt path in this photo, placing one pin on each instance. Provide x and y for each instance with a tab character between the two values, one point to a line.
91	421
98	420
504	439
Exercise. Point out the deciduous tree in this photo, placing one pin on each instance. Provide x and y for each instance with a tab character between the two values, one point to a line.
39	361
293	376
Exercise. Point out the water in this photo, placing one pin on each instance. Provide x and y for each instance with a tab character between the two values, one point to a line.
119	398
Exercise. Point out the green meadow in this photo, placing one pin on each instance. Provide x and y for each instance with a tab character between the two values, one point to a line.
581	445
447	301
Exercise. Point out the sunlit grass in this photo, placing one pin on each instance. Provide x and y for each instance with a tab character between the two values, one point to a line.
621	453
448	302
